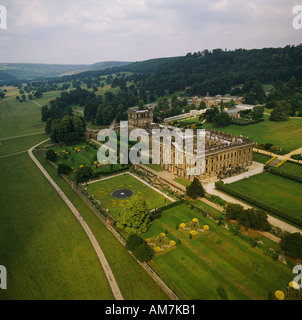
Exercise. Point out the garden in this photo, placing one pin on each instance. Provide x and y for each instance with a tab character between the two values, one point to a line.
102	191
209	263
273	193
84	155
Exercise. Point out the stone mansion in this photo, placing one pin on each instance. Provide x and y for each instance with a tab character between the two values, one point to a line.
225	154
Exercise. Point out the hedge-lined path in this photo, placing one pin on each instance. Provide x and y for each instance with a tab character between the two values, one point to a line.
107	270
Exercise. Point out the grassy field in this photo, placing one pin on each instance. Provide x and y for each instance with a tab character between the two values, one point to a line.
215	258
287	134
134	282
11	146
18	118
43	247
102	191
284	193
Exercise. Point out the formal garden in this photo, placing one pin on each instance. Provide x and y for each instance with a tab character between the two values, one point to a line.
199	258
80	160
103	191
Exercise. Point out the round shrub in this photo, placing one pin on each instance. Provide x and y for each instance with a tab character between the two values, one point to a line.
172	243
279	295
157	249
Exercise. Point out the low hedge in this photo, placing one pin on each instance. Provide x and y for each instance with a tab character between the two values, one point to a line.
156	214
267	207
278	172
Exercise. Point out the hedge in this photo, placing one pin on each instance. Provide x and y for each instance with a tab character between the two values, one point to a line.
267	207
156	214
285	174
245	123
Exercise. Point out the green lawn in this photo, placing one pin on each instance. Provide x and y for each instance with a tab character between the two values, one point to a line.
102	191
43	247
17	118
134	282
11	146
291	168
259	157
275	190
183	181
287	134
196	268
155	167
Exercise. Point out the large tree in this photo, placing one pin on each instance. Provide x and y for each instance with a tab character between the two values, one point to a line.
135	217
292	244
67	130
195	189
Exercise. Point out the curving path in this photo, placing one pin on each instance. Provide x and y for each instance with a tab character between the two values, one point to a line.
107	270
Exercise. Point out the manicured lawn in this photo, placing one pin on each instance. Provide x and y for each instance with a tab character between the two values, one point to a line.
155	167
287	134
102	191
291	168
183	181
20	144
284	193
259	157
196	268
134	282
43	247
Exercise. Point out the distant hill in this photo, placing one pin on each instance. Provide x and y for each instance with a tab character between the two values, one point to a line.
27	71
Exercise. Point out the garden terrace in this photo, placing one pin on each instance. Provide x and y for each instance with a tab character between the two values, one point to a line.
199	267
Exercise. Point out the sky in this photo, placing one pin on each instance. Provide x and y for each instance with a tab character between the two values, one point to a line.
86	32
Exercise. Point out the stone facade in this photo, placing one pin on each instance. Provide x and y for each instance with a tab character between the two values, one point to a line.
140	118
225	155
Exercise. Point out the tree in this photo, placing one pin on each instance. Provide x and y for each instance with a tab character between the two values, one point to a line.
292	244
143	252
257	113
232	210
222	119
281	111
133	241
51	155
135	217
195	189
211	113
84	174
69	130
64	168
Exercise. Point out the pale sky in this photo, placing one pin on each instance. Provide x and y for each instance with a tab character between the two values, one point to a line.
85	32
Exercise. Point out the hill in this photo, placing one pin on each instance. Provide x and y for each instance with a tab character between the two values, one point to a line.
27	71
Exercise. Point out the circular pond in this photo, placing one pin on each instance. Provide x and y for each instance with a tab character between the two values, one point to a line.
122	193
